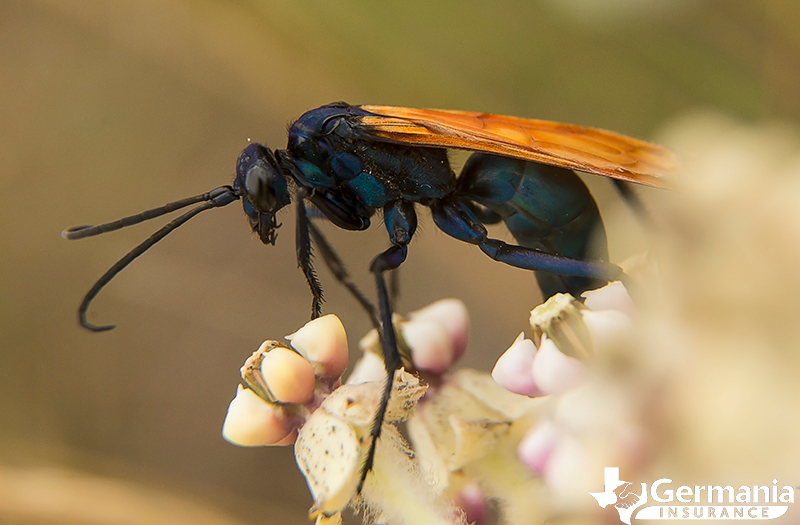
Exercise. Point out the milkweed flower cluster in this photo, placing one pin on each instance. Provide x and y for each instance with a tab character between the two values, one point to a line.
475	439
293	393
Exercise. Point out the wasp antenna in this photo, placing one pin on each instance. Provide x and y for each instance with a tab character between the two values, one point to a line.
79	232
215	199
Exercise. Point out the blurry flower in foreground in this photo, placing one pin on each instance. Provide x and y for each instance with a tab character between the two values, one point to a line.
572	339
466	434
567	332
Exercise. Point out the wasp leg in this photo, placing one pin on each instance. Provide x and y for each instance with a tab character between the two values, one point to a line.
304	253
400	219
336	267
457	220
394	288
388	260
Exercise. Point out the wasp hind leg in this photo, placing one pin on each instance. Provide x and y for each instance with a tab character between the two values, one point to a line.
456	219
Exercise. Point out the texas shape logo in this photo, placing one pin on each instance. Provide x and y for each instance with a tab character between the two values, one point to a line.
624	495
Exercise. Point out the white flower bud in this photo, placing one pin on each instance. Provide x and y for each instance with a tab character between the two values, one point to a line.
613	296
430	343
513	371
609	329
369	368
288	376
252	422
535	448
554	372
453	315
323	342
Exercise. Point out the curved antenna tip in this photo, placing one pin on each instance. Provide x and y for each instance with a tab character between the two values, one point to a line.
70	233
95	328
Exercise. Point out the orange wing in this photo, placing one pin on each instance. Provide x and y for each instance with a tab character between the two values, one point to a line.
565	145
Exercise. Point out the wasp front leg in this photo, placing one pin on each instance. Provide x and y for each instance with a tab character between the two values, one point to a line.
304	253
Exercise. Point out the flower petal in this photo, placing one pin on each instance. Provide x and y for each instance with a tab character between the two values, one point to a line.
554	372
288	376
323	341
252	422
513	371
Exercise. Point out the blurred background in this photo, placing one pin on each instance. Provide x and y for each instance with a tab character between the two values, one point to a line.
110	108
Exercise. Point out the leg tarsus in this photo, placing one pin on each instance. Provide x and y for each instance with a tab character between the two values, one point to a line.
375	431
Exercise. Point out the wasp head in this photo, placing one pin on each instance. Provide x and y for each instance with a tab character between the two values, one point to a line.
263	188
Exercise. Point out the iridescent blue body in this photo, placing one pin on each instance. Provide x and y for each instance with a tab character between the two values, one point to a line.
350	175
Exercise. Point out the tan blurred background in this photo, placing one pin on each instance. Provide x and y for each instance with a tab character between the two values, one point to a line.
110	108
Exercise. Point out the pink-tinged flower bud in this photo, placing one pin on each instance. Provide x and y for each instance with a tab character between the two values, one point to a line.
323	341
369	368
610	329
453	315
554	372
430	343
514	370
536	447
252	422
288	376
613	296
473	501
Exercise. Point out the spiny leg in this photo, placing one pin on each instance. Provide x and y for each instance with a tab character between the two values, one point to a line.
394	288
388	260
304	253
